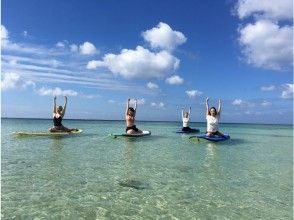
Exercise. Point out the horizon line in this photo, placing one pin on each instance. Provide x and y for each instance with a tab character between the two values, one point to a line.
80	119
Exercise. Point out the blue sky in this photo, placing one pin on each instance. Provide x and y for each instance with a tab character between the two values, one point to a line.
166	54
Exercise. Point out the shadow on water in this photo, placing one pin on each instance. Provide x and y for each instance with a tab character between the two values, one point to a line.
131	173
231	142
135	184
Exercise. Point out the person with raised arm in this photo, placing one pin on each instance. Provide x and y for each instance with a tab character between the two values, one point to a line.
186	119
58	114
212	118
130	115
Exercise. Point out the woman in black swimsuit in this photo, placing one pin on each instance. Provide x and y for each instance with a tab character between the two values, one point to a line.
58	113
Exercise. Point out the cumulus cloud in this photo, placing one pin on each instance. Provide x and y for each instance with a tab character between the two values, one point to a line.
265	44
237	102
193	93
87	48
138	64
174	80
159	105
267	88
14	81
271	9
56	92
163	37
151	85
287	92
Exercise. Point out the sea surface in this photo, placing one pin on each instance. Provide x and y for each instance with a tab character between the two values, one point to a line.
163	176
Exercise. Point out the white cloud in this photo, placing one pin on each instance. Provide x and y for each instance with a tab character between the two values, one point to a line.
151	85
241	103
159	105
4	37
74	48
174	80
164	37
139	101
56	92
28	83
237	102
193	93
138	64
287	92
60	44
87	48
14	81
9	81
93	64
25	33
270	9
265	44
4	33
41	63
267	88
266	103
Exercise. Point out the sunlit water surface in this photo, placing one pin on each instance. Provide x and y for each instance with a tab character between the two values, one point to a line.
163	176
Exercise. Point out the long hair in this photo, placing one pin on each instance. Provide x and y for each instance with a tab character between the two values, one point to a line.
216	113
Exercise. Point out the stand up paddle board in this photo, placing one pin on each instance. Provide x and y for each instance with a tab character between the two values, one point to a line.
144	133
212	138
47	133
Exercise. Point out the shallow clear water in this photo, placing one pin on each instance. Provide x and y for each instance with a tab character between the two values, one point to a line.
164	176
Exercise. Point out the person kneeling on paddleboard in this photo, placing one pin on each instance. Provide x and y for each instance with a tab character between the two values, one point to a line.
186	119
212	117
130	119
58	114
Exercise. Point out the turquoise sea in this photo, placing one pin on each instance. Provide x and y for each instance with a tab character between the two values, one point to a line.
163	176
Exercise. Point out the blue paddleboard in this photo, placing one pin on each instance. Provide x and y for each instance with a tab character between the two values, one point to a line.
212	138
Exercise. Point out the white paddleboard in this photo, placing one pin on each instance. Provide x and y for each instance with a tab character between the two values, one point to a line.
144	133
47	133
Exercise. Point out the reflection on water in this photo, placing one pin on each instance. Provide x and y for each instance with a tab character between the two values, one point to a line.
131	170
